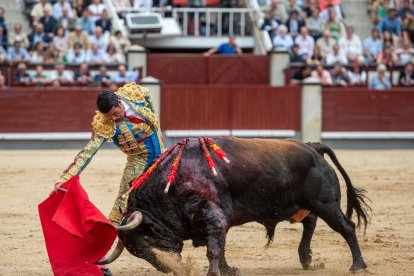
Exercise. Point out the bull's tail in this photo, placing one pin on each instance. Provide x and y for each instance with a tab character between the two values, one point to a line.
356	198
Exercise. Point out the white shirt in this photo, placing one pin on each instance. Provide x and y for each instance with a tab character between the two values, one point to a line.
351	46
130	111
94	10
306	45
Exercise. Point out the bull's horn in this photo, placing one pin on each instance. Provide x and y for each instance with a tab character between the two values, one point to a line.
114	255
133	221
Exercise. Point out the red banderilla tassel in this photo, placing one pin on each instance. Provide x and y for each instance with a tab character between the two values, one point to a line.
174	167
208	157
217	150
144	176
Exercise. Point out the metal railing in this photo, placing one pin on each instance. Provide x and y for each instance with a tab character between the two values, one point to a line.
212	21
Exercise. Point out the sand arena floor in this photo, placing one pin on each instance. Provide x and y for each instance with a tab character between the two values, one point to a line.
27	177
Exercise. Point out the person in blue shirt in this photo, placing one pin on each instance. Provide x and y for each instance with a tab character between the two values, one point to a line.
372	47
228	48
17	53
390	23
380	81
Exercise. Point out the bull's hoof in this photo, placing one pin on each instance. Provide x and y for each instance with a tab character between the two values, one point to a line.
358	266
231	271
106	272
305	258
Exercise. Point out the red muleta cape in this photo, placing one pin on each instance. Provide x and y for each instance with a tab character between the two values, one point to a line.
76	233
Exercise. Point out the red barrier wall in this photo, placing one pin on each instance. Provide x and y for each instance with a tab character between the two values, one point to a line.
46	110
197	69
185	107
360	109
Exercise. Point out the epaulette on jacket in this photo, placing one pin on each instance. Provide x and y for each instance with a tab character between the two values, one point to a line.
102	126
133	92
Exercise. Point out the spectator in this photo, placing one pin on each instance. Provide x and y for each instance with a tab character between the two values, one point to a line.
357	77
336	56
17	53
408	25
76	55
372	47
407	75
3	56
58	9
333	26
325	43
124	76
79	6
3	84
52	54
4	41
65	21
94	55
279	10
38	55
339	76
80	37
19	35
282	39
111	56
39	35
322	75
294	5
298	77
120	41
104	22
307	7
404	54
405	10
21	76
270	24
82	76
86	23
315	24
96	9
39	78
328	9
61	41
316	57
351	45
295	56
305	42
294	24
380	81
60	75
389	40
387	57
3	20
99	38
228	48
102	78
37	10
49	22
390	23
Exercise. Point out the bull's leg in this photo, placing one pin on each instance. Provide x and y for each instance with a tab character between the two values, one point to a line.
332	214
305	252
227	270
215	251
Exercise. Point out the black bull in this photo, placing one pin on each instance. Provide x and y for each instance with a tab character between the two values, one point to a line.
267	181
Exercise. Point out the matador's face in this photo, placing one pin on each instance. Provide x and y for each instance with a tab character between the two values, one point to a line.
116	113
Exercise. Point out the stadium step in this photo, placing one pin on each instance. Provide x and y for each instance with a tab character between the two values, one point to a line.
14	13
357	17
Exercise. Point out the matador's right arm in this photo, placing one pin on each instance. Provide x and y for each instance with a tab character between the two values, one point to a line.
83	158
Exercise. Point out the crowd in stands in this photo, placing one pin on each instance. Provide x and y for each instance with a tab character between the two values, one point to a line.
315	34
74	32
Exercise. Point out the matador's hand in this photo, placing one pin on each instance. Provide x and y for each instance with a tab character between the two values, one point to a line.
57	185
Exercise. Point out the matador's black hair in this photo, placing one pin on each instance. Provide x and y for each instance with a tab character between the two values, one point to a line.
106	100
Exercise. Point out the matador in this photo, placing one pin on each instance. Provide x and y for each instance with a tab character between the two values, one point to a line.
128	119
